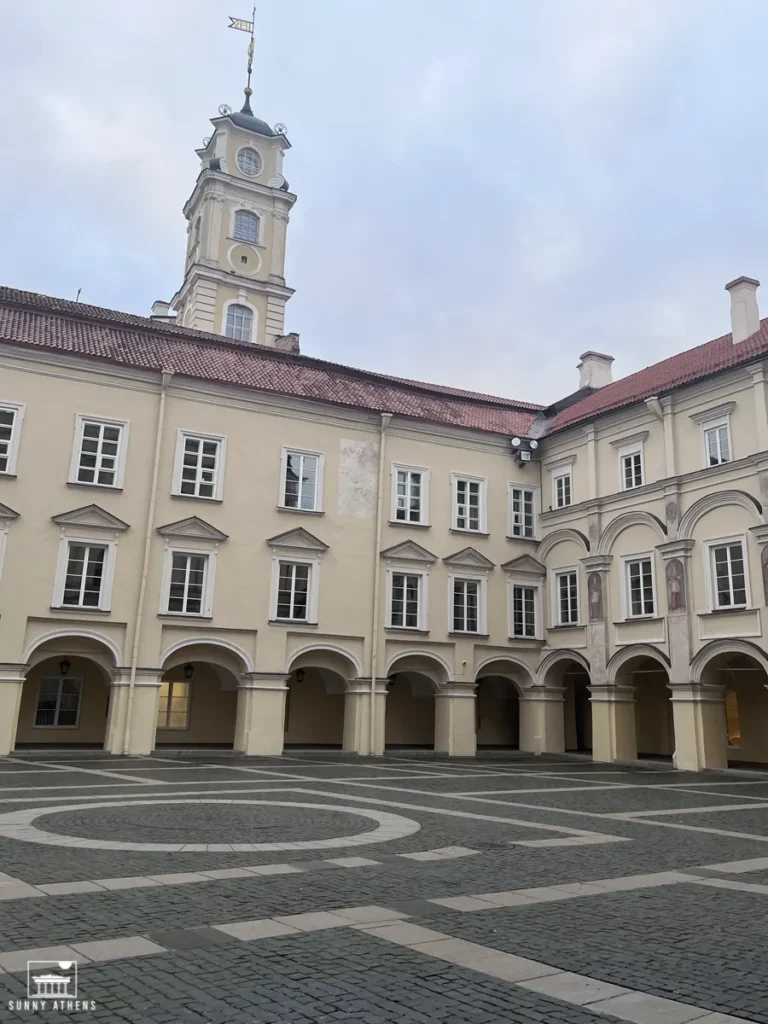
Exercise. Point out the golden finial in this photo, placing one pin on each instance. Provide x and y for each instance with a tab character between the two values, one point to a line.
246	26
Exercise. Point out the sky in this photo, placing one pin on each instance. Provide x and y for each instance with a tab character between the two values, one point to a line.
485	190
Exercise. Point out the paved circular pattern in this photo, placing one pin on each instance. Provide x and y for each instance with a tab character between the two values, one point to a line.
18	825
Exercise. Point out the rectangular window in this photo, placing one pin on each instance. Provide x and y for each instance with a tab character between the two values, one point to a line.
717	444
729	576
301	480
173	705
469	512
187	584
199	466
85	575
567	596
10	428
523	611
58	703
98	453
405	600
410	496
640	587
632	470
293	591
563	490
522	513
466	606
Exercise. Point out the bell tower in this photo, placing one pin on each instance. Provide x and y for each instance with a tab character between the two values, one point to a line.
237	215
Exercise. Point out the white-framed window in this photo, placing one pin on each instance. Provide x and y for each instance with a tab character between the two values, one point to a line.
173	705
562	489
11	416
410	495
199	466
188	582
640	589
84	574
295	584
406	599
246	226
467	611
524	609
301	480
728	573
469	503
249	161
717	443
98	456
58	703
239	322
631	468
523	511
565	597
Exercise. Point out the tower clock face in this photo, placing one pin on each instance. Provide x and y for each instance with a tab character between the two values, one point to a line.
249	161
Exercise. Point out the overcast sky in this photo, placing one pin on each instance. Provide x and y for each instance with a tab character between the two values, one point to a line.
485	189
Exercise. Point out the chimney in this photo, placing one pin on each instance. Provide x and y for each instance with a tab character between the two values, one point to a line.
745	316
288	343
162	311
594	370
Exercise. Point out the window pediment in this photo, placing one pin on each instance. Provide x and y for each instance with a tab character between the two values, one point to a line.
298	541
93	517
192	528
469	558
715	412
525	565
409	551
7	513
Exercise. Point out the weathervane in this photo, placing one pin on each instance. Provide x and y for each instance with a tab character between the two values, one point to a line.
246	26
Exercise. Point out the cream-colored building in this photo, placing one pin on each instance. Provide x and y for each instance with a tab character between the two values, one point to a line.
207	538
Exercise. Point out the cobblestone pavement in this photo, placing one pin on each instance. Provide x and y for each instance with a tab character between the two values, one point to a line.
324	888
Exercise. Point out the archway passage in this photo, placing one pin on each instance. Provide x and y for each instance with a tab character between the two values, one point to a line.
654	724
497	713
314	708
64	703
744	683
578	710
197	706
410	715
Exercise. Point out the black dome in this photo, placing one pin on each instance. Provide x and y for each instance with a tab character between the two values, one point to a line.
251	123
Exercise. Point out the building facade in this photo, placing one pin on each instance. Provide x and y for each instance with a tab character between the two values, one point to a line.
207	538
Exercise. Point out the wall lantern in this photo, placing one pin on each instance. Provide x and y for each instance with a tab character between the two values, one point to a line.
300	675
64	666
189	670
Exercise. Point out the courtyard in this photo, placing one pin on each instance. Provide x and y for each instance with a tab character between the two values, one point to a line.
318	887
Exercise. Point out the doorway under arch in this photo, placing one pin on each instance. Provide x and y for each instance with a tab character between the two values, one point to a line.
743	680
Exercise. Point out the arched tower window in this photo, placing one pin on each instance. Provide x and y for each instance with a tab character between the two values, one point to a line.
239	322
246	226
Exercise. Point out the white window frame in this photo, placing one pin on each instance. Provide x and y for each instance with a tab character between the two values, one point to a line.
709	572
625	589
423	596
482	602
319	479
178	465
629	451
456	478
55	724
512	582
313	588
248	174
81	419
13	446
250	213
535	493
107	578
562	474
170	684
555	576
716	424
206	605
254	321
401	467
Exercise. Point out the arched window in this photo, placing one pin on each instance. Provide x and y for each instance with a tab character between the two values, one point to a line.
246	226
239	322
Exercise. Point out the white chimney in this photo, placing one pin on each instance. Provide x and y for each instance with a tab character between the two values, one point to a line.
594	370
162	311
745	316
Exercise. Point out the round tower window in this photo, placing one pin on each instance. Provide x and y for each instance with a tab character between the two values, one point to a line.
249	161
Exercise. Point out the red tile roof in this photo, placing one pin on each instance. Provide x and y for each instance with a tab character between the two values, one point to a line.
695	363
39	321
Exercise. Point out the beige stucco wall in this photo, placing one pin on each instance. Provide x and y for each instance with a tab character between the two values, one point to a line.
498	713
315	710
94	699
212	708
410	715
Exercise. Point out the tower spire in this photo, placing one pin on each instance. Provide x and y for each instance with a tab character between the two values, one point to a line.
246	26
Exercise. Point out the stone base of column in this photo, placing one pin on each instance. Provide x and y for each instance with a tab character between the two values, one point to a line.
701	738
455	724
260	722
542	720
11	684
140	738
613	723
357	717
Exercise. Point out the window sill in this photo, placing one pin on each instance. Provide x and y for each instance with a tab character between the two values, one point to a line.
728	611
534	540
79	609
474	533
99	487
196	497
406	630
526	639
301	511
638	618
466	632
186	616
245	241
564	625
415	526
8	476
292	622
